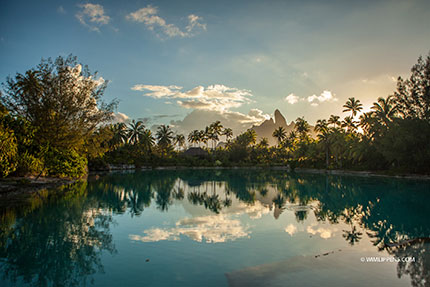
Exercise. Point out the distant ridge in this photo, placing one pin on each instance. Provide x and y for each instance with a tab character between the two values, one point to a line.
266	128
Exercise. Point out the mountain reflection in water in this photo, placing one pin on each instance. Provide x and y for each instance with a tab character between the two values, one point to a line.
61	236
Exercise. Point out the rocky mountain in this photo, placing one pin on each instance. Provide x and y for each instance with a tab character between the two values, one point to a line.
266	129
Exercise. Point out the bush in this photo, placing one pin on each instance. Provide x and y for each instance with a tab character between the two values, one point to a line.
65	163
8	151
28	164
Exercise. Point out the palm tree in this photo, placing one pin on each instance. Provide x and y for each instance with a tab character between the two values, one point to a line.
228	132
264	143
164	136
119	131
302	126
353	105
179	139
135	131
349	123
321	126
194	137
292	136
212	135
367	121
251	135
216	129
279	134
325	136
384	110
334	120
352	236
204	136
147	140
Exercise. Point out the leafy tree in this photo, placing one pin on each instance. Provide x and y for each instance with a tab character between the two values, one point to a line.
61	99
8	151
413	95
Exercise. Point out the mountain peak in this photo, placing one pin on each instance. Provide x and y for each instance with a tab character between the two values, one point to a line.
279	119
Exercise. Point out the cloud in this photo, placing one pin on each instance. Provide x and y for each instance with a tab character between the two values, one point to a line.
238	122
324	233
212	98
314	100
291	229
149	17
292	99
120	118
212	228
326	96
92	16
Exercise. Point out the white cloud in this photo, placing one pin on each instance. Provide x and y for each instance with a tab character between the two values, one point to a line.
149	17
292	99
213	98
92	16
120	118
193	22
291	229
209	104
324	233
326	96
212	228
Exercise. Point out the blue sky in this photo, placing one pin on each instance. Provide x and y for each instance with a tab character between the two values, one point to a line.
186	63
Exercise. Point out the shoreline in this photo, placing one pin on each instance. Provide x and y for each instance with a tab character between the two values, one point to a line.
13	187
364	173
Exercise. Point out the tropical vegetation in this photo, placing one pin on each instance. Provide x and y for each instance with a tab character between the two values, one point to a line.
54	122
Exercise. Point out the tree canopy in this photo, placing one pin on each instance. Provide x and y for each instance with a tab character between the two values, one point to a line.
61	98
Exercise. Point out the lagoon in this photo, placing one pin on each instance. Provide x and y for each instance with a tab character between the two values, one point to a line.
220	228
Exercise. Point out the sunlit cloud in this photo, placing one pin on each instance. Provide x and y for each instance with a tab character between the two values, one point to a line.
324	233
214	98
292	99
291	229
217	228
325	96
149	17
120	118
92	16
211	229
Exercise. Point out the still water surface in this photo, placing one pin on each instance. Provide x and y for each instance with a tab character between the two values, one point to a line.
220	228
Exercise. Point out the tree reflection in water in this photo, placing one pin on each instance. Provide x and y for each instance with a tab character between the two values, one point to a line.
388	210
59	242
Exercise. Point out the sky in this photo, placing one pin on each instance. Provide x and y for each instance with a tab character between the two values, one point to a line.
187	63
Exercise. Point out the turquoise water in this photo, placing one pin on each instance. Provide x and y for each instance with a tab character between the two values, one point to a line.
220	228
